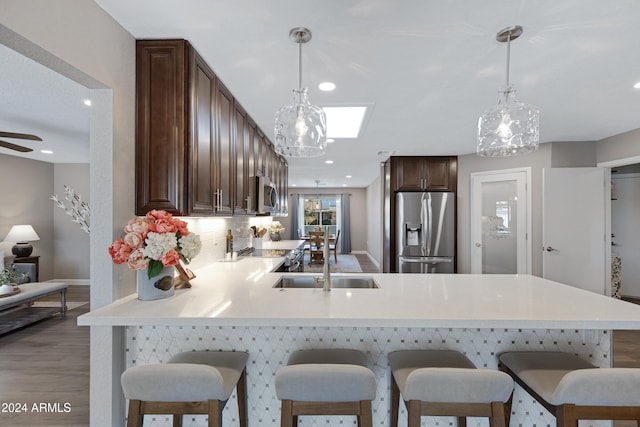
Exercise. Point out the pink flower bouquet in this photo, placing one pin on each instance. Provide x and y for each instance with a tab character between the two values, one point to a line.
155	241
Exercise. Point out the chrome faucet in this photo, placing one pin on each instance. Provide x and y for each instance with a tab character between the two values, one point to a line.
326	271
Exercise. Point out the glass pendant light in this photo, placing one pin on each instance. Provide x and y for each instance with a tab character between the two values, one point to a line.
512	127
300	129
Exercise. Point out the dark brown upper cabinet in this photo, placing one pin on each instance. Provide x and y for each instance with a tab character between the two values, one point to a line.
415	173
161	126
197	150
224	164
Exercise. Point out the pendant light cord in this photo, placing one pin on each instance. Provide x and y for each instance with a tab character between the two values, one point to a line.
300	65
508	59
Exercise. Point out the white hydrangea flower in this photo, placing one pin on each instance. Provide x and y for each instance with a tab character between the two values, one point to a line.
157	245
190	245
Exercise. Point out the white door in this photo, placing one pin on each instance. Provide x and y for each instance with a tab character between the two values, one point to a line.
500	222
573	227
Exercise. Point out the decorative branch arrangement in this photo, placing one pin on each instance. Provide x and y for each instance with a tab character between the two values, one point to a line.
78	211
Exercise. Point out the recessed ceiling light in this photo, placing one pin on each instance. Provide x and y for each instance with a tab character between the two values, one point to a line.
636	86
87	102
330	140
294	185
344	185
327	86
46	151
348	176
344	122
328	162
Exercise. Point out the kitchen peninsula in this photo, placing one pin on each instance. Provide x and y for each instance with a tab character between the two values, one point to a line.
233	306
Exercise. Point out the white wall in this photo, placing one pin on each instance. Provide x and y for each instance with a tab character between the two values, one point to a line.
63	248
625	212
25	188
71	245
619	146
374	221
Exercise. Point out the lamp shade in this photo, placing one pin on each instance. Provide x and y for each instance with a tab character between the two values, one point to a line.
22	234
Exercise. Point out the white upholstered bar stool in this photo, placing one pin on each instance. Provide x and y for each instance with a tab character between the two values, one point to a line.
573	389
446	383
197	382
326	382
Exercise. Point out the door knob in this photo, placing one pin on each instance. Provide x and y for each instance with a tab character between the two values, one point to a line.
478	245
550	249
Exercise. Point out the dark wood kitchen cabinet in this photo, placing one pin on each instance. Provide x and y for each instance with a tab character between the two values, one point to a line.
415	173
224	182
245	133
201	138
161	126
197	150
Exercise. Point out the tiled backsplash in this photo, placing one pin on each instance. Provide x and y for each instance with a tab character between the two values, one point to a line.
213	232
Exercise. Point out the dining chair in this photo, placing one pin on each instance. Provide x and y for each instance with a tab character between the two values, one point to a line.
316	247
333	247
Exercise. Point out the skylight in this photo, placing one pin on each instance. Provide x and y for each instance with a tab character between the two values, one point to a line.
344	122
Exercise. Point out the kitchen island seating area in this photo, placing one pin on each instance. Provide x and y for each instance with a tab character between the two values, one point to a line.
326	382
231	307
573	389
198	382
447	383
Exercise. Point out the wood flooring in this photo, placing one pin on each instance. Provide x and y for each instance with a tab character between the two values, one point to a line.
44	371
47	364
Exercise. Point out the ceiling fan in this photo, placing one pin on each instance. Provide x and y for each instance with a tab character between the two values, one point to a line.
16	147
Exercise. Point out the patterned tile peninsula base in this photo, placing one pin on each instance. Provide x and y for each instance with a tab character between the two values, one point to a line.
269	349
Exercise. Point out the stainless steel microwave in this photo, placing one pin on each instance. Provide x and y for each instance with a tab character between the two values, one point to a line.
267	195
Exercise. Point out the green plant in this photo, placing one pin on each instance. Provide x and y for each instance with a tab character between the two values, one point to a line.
9	275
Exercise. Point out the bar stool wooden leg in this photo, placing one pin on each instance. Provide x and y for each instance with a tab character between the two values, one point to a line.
395	402
365	418
215	413
507	411
177	420
566	416
241	389
286	416
414	410
135	416
498	415
462	421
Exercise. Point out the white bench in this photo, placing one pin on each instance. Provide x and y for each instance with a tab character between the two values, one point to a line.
17	311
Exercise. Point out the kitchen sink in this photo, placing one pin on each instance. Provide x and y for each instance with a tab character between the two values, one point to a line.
303	282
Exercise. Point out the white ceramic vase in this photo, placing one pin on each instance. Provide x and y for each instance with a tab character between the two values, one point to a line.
158	287
257	242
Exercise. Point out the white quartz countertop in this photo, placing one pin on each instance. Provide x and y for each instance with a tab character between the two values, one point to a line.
241	293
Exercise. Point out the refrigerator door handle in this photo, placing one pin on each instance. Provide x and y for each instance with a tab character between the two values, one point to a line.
429	240
426	260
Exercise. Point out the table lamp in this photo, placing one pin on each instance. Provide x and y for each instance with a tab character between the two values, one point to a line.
21	234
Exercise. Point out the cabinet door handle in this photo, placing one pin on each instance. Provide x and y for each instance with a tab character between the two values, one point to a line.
248	199
218	199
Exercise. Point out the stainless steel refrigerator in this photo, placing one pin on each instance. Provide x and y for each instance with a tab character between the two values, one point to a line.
425	232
